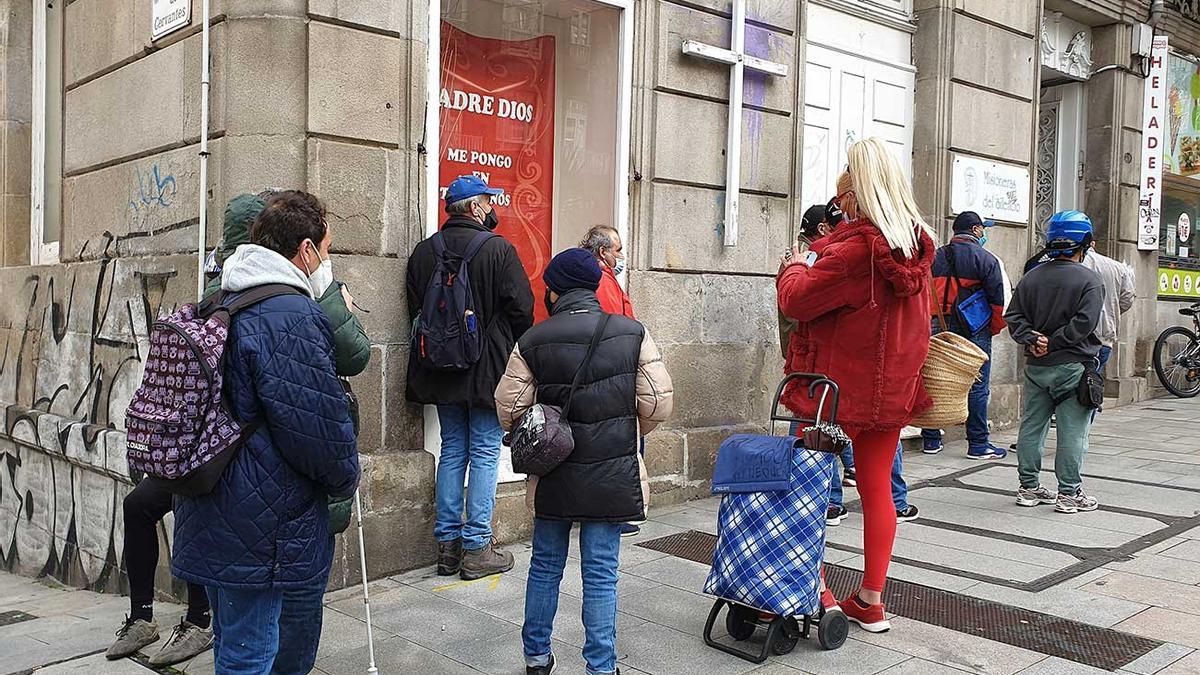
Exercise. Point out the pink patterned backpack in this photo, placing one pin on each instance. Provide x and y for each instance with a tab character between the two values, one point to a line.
179	429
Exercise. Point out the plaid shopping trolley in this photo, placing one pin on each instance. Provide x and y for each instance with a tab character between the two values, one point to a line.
771	531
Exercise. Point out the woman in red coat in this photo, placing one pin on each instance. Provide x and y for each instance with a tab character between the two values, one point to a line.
862	307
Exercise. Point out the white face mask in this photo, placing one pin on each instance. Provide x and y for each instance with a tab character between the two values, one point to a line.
619	267
320	278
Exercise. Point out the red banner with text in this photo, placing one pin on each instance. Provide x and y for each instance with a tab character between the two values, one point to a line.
497	122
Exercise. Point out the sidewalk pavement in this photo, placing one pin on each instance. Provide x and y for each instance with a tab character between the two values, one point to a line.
1133	566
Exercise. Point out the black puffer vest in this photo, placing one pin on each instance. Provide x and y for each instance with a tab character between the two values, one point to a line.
599	481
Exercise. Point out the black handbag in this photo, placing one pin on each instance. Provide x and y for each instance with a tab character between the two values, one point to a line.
1090	391
542	438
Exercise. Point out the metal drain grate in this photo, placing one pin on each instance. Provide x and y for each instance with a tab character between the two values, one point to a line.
14	616
1042	633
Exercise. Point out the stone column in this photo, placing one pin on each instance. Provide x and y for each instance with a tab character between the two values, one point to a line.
977	88
16	71
1111	176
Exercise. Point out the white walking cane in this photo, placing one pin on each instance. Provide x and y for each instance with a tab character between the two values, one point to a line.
362	557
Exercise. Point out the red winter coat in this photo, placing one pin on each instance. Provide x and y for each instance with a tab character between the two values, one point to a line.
613	299
863	314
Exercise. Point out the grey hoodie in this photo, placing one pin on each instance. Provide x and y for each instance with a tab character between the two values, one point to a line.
252	265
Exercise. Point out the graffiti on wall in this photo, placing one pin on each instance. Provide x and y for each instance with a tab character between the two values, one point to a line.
72	341
150	190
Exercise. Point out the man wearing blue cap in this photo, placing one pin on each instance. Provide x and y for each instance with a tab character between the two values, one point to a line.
469	299
1054	314
970	284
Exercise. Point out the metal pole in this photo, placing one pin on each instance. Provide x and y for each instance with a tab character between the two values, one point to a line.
733	142
201	245
362	558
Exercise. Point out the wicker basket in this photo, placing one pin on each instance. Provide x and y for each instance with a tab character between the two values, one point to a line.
950	370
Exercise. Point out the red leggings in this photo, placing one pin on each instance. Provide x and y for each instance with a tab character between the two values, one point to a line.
874	453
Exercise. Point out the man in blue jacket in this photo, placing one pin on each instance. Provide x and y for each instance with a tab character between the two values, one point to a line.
260	540
961	270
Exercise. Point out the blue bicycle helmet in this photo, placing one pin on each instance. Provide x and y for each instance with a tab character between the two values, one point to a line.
1067	232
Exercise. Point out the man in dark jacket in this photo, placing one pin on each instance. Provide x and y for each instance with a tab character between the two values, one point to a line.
622	391
961	269
260	540
1054	315
470	432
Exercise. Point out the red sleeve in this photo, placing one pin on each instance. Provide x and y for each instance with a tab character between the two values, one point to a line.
806	293
610	294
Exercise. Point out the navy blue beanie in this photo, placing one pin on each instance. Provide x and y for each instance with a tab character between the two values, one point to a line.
573	268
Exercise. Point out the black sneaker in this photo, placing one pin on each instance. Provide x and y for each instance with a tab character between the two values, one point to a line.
541	670
834	515
630	529
907	514
849	478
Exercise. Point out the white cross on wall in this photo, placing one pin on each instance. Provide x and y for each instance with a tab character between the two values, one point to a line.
736	58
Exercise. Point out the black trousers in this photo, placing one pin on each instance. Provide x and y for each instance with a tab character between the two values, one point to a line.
144	507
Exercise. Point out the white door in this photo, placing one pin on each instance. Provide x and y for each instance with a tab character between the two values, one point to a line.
847	98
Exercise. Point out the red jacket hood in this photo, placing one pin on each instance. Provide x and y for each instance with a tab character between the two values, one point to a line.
906	276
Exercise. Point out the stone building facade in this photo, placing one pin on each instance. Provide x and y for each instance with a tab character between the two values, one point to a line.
101	199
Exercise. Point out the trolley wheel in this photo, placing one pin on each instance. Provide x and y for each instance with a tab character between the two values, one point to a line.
832	630
786	641
740	622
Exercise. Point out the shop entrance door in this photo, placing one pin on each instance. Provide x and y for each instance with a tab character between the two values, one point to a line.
534	97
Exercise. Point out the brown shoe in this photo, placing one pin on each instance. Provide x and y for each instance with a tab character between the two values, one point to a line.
449	560
485	562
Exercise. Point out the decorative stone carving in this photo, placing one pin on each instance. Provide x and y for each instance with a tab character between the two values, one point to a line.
1066	46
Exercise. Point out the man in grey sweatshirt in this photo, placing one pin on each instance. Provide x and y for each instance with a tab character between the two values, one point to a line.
1054	314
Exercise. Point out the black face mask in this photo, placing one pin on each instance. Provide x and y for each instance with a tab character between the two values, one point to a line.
549	304
491	220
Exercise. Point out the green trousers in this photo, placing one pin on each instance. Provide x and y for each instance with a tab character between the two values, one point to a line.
1042	385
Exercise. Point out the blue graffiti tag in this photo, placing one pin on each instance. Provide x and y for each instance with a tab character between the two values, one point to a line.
153	189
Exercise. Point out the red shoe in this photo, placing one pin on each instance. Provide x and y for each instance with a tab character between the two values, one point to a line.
829	602
869	617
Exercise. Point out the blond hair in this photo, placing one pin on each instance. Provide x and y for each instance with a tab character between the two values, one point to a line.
884	196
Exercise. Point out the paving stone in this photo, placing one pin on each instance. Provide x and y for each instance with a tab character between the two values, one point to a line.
96	664
951	648
668	606
1164	624
768	669
672	571
1188	665
1162	500
480	593
663	651
393	655
855	657
1057	666
951	505
990	546
1157	592
916	666
917	575
1187	550
701	520
1161	567
1157	659
503	654
1068	603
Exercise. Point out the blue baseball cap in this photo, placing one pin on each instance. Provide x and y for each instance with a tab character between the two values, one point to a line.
465	187
968	220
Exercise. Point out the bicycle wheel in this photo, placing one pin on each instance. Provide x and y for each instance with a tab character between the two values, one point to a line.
1177	361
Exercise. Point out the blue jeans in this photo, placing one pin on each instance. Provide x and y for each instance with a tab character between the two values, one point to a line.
977	399
471	437
276	631
599	549
835	486
1105	355
899	487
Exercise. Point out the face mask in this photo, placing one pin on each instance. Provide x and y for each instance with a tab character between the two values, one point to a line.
549	304
983	240
619	267
491	220
320	278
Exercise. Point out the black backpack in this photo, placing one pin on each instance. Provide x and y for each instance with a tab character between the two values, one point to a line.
448	333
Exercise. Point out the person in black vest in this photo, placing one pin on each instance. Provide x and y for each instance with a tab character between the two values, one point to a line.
622	391
471	434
